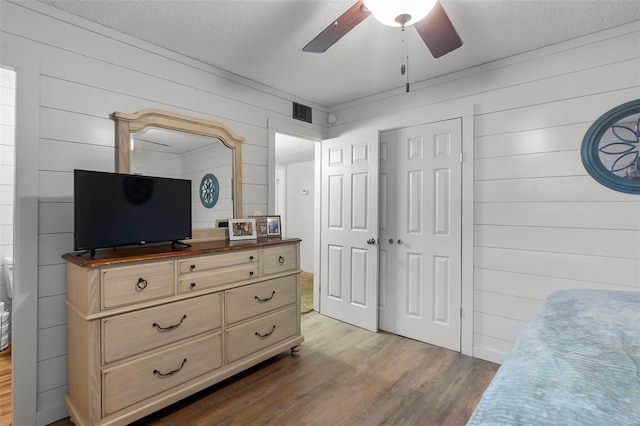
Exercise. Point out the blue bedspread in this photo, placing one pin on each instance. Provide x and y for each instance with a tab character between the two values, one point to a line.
576	363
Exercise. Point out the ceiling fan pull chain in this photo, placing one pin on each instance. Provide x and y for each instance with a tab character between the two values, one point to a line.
403	68
405	55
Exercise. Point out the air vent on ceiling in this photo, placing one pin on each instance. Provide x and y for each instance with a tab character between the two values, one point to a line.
301	112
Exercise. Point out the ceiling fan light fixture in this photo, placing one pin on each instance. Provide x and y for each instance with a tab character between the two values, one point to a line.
399	13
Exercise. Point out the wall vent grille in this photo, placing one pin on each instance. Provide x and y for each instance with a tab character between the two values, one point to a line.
301	112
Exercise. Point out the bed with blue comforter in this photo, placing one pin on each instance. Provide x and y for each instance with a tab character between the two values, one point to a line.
576	363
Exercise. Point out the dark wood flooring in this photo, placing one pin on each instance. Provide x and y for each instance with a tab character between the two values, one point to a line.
344	376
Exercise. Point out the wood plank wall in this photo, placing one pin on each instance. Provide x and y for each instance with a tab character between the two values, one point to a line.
541	223
86	73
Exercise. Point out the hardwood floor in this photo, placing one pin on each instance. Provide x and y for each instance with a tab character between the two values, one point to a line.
6	401
344	376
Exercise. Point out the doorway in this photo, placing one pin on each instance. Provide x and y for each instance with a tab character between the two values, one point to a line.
7	196
295	203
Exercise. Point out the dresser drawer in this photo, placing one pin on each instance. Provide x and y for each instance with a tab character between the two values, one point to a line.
135	381
133	284
218	277
133	333
217	261
256	299
253	336
279	259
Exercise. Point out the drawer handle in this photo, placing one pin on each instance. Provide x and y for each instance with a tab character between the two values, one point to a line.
141	284
251	273
192	267
262	336
171	327
192	285
250	257
273	293
159	374
281	260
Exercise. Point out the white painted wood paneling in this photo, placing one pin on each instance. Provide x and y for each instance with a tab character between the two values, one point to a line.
531	286
542	189
56	187
562	163
502	328
51	247
601	215
52	311
55	217
77	156
52	280
596	269
50	409
593	242
52	342
550	139
515	307
52	373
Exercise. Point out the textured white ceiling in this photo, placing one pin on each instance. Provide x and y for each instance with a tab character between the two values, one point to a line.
262	39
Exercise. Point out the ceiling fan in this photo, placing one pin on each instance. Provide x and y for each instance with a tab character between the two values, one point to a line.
429	19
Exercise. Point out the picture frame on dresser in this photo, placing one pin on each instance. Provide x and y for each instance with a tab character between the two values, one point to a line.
274	226
242	229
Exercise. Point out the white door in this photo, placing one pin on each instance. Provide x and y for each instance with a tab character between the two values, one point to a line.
349	227
387	231
426	248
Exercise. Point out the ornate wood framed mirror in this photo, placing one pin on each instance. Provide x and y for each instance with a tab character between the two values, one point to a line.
167	138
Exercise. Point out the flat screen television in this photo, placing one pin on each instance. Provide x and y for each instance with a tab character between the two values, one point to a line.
114	209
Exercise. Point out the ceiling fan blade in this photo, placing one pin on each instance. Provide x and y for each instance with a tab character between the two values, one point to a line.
438	32
334	32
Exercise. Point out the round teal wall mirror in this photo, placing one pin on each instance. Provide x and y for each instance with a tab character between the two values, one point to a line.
611	148
209	190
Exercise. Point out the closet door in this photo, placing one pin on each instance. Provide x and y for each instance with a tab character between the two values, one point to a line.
425	288
349	231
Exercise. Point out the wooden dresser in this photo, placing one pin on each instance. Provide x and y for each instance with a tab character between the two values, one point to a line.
148	326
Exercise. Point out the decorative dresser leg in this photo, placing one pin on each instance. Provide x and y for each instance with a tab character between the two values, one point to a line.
295	351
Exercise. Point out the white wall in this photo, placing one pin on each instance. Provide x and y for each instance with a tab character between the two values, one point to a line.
86	72
7	176
299	223
540	222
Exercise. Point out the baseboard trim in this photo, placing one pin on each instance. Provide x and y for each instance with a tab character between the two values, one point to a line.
51	414
489	354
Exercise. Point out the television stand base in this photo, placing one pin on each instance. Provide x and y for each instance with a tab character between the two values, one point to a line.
180	243
92	252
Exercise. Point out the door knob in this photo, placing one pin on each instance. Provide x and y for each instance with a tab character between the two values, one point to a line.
399	241
371	241
390	240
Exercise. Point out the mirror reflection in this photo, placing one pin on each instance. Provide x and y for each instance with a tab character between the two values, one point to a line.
161	152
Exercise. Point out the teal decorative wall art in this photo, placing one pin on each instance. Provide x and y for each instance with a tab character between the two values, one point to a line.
611	148
209	190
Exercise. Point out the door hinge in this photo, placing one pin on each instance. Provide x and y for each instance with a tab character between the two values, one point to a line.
461	157
461	312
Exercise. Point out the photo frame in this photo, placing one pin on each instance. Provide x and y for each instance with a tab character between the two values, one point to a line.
261	225
242	229
274	226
